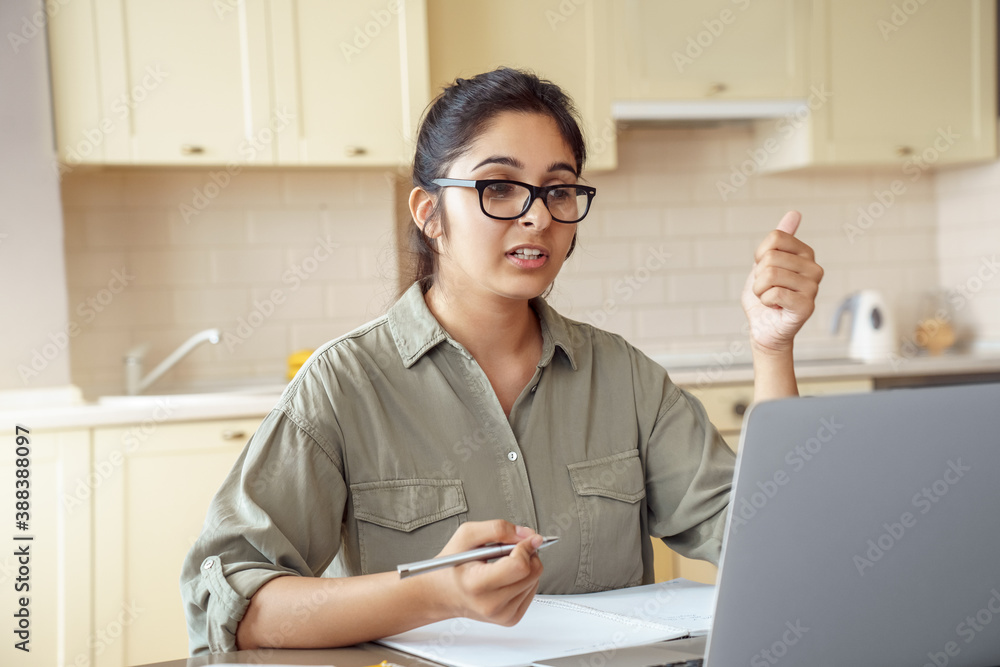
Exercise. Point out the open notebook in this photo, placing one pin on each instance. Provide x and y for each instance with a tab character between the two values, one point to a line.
564	625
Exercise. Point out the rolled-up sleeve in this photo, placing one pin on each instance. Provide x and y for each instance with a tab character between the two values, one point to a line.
689	470
278	512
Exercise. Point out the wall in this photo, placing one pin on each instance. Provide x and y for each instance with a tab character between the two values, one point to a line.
35	350
661	259
278	260
968	211
666	197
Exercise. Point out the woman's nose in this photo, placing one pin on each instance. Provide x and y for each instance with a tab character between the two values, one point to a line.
537	215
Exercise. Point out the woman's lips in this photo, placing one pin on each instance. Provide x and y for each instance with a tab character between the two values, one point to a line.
527	260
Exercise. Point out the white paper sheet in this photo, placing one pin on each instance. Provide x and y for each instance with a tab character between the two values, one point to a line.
561	625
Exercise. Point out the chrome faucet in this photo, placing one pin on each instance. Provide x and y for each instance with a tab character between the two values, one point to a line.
135	383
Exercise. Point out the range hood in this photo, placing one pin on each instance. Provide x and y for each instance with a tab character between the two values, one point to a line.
694	110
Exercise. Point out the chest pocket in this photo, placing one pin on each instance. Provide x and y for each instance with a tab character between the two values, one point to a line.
608	494
404	520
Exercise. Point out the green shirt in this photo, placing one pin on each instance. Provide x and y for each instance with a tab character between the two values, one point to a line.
391	436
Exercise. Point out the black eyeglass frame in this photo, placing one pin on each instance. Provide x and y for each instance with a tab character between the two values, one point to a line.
535	191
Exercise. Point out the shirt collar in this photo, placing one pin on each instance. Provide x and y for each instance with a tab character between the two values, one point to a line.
415	330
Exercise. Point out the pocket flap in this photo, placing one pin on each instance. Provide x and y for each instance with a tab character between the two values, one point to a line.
408	504
618	476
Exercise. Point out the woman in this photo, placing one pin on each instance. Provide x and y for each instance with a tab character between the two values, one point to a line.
473	413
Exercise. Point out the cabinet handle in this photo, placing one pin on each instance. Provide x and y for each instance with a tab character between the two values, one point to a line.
739	409
717	88
355	151
190	149
903	151
233	435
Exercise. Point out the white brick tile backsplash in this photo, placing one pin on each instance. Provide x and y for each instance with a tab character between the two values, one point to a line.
352	301
170	267
211	307
95	268
574	296
724	253
247	266
284	226
292	304
117	227
699	221
319	262
663	187
333	188
90	189
266	342
697	287
377	189
906	247
781	186
636	289
311	335
210	227
612	188
722	320
605	257
663	199
957	180
755	220
666	323
631	222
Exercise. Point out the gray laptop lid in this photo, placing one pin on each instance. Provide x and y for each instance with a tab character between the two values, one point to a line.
865	530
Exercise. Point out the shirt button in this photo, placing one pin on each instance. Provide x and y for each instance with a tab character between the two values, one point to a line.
208	564
534	388
512	456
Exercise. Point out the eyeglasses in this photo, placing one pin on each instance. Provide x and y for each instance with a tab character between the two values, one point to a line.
509	200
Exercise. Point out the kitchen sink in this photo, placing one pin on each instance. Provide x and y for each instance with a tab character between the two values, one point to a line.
197	396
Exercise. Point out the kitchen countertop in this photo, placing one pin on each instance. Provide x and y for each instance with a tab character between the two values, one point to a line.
256	400
704	370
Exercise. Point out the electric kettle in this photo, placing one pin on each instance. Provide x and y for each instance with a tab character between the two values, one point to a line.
873	334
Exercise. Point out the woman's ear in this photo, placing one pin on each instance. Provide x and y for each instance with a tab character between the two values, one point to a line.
421	208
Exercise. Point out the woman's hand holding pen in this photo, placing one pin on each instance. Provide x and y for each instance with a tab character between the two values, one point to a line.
497	592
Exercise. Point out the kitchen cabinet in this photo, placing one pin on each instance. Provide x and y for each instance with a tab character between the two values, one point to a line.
57	571
256	82
147	513
565	42
720	49
148	82
354	77
908	84
726	405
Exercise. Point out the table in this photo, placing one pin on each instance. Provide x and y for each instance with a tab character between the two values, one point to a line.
361	655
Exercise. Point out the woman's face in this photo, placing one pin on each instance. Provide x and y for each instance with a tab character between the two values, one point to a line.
478	256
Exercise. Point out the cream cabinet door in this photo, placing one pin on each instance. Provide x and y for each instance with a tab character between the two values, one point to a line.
566	42
54	574
354	77
177	83
737	49
148	512
904	83
941	98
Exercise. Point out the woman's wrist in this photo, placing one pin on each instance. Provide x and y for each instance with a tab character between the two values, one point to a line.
774	373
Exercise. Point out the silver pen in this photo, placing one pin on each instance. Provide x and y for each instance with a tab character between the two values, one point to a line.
482	553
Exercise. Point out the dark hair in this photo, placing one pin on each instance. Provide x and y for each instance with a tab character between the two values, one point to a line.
457	116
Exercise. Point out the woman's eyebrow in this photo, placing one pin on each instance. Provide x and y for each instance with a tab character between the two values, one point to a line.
513	162
562	166
501	159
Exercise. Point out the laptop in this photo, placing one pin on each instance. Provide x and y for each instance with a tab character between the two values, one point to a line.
864	529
